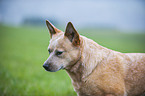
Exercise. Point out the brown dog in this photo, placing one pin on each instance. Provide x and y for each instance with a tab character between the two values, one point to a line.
95	70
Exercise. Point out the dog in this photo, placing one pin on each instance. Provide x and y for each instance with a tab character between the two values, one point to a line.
94	69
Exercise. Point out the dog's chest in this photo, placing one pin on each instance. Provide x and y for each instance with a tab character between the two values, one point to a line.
86	89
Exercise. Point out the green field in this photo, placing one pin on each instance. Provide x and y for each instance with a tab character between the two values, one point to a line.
23	51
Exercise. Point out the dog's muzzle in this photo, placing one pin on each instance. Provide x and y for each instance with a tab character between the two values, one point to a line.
50	68
46	66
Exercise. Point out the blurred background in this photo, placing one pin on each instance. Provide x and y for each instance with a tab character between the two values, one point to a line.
116	24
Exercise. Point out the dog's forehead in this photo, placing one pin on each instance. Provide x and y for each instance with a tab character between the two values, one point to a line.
60	42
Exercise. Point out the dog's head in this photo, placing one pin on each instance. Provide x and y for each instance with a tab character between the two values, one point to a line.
64	48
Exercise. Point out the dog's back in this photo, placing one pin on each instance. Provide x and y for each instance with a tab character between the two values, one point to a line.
122	74
135	74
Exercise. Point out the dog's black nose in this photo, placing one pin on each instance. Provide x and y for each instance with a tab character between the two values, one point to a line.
45	66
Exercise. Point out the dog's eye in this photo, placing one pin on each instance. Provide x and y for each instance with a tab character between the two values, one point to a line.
59	53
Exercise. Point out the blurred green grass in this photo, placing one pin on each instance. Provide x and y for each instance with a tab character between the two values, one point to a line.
23	51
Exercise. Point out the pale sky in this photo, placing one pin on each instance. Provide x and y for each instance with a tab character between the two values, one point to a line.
121	14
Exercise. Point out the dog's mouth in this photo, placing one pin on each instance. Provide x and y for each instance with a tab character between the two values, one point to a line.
51	69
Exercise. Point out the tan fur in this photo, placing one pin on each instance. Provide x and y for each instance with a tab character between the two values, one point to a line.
98	71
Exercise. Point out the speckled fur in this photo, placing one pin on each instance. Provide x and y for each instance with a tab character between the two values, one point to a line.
98	71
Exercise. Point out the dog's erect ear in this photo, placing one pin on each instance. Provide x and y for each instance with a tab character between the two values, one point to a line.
52	29
72	34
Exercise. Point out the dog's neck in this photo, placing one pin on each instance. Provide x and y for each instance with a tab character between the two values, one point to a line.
75	71
90	50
